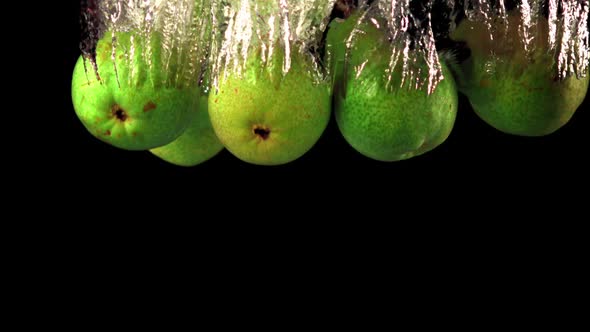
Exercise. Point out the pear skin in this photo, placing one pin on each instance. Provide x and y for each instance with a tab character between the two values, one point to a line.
267	117
514	91
196	145
384	123
129	104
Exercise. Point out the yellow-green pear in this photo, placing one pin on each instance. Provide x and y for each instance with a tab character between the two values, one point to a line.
197	144
131	103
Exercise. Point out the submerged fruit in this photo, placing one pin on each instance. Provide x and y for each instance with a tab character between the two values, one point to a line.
267	117
197	144
381	117
514	86
131	103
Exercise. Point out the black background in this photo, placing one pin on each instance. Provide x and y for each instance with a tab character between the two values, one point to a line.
475	157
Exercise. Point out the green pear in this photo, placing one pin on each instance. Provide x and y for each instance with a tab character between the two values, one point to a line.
267	117
379	117
512	88
131	103
197	144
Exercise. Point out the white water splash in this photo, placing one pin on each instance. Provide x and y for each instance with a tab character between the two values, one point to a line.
409	48
567	36
205	38
275	28
180	26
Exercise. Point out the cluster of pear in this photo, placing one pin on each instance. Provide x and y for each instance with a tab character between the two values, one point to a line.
264	115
